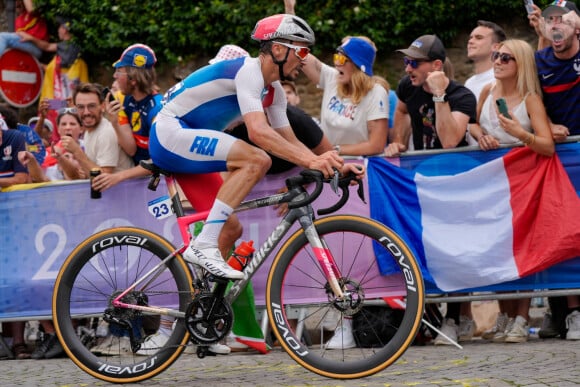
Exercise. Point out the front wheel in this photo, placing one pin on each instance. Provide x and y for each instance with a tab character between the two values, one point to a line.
98	270
345	341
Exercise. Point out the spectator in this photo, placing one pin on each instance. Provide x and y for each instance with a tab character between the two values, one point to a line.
436	111
558	30
354	111
102	149
12	172
482	41
64	72
516	81
392	98
28	21
431	107
43	127
132	119
292	96
60	165
190	128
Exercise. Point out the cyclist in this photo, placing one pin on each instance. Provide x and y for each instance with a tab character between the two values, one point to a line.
190	136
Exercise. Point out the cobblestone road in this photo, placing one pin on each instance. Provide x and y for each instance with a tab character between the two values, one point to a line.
538	362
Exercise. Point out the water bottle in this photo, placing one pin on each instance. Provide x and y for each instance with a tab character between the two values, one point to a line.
242	255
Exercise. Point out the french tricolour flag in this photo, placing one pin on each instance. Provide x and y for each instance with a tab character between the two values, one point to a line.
503	220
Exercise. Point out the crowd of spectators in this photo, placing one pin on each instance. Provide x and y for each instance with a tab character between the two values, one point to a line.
85	126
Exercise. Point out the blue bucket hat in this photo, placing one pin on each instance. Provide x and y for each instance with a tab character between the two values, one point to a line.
138	55
360	52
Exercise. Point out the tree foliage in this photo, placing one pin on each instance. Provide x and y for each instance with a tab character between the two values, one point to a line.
178	29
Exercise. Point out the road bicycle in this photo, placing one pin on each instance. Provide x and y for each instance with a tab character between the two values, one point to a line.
322	275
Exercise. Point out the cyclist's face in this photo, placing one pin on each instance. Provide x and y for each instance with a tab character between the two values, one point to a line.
294	63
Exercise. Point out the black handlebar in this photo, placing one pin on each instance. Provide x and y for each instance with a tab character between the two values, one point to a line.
313	176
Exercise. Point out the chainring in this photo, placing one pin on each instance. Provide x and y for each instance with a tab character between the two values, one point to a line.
208	319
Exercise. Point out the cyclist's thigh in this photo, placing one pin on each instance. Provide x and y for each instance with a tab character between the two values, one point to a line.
178	148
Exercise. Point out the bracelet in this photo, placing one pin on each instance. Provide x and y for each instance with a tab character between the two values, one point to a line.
530	139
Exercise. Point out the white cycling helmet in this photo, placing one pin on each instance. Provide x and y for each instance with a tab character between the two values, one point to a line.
283	26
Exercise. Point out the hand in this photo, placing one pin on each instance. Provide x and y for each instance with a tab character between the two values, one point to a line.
327	162
437	82
571	18
559	132
112	108
536	20
43	107
281	208
511	125
357	169
24	157
105	181
488	142
69	144
394	149
25	36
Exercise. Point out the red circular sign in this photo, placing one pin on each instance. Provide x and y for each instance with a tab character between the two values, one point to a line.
20	78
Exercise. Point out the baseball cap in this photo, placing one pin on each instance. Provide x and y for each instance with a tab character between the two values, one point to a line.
360	52
138	55
63	21
47	124
560	7
229	51
428	47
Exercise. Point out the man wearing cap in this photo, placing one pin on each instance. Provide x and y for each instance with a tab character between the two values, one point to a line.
435	109
559	65
355	109
135	76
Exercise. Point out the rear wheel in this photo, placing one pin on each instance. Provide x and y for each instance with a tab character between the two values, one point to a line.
98	270
298	297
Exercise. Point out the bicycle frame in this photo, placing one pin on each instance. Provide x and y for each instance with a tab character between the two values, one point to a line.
303	214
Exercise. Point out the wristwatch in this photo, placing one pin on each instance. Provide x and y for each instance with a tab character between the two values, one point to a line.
337	148
441	98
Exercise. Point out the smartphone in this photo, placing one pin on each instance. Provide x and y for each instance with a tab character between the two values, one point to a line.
106	91
529	4
56	104
502	107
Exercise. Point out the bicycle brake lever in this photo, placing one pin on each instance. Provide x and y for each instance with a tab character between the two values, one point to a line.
361	191
334	181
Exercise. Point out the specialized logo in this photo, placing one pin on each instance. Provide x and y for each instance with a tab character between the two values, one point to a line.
204	145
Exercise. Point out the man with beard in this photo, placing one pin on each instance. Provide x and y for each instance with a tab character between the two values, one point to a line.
102	149
431	107
559	73
189	135
559	65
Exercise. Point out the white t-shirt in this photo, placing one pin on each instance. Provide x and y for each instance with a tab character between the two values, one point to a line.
475	83
341	120
102	147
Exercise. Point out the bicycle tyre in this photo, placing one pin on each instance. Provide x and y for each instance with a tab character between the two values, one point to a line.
296	282
101	266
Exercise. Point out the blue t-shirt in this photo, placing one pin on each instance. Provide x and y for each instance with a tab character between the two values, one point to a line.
560	81
12	142
140	115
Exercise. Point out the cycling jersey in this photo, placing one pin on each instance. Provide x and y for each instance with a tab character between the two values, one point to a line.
189	133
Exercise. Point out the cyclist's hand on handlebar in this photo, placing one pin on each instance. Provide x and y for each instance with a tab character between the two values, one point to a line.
327	163
356	169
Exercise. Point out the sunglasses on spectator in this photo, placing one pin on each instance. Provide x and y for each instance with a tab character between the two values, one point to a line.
67	110
300	51
340	59
414	63
503	57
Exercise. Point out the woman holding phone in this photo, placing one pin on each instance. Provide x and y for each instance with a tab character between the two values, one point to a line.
517	90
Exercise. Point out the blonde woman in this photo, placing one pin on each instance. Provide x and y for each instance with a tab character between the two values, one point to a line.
355	109
516	81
